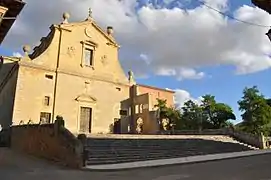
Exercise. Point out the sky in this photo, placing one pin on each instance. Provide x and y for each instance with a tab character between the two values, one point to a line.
181	45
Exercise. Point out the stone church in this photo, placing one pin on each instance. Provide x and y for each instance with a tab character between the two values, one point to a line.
75	73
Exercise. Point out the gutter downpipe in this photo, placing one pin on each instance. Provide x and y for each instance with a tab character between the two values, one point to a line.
56	71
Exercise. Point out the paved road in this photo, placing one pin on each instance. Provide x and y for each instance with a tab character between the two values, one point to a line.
13	166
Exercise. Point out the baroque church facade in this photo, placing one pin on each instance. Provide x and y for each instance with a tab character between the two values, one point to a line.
75	73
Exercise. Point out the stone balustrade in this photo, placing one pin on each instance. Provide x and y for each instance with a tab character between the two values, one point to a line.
48	141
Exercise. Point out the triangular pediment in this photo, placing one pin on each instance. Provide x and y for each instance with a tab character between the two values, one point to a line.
111	39
86	98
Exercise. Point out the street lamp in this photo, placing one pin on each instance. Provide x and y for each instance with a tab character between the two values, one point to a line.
269	34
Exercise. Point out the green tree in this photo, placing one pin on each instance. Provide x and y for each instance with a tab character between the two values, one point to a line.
268	101
162	109
256	111
221	113
192	116
171	113
218	114
174	116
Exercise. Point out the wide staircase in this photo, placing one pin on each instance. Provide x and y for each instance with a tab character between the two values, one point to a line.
121	149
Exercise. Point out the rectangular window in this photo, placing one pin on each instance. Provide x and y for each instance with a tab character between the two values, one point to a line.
47	76
85	119
46	101
123	112
88	57
45	118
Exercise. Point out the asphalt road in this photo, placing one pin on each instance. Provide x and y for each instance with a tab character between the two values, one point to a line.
13	167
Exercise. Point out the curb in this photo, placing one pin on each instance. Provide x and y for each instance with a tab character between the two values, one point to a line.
176	161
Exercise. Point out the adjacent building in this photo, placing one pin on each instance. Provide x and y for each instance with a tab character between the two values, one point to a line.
75	73
263	4
9	10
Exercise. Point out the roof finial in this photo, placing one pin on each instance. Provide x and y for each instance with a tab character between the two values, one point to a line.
26	49
66	17
89	14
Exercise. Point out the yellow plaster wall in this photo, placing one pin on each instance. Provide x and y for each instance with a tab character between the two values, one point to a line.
31	89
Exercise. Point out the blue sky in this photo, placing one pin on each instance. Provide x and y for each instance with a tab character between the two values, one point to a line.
223	83
192	42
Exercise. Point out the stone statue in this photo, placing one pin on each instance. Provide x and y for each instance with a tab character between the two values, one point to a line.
66	17
139	126
26	49
165	123
131	76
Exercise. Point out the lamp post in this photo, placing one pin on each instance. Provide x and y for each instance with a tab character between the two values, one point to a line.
269	34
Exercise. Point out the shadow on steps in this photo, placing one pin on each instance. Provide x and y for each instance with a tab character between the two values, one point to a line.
109	151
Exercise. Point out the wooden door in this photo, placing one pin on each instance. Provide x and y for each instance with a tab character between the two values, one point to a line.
85	119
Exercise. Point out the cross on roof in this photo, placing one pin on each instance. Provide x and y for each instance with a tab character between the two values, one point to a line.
89	12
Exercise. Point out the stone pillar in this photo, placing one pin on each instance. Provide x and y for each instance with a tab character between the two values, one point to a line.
83	151
262	141
133	94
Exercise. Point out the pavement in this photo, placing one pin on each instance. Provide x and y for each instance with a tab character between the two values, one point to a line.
15	166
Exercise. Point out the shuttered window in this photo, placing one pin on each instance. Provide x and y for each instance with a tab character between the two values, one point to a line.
88	57
45	118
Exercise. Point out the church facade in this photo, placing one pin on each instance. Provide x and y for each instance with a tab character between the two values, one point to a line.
75	73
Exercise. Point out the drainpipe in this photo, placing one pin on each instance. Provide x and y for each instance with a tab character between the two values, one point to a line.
56	71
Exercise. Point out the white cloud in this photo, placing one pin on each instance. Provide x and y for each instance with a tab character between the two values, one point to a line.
187	73
17	54
182	73
170	42
181	96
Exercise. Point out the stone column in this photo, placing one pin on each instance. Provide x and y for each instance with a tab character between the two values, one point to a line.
262	141
133	94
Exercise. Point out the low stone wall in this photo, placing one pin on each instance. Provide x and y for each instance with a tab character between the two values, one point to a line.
257	141
197	132
251	139
51	141
5	138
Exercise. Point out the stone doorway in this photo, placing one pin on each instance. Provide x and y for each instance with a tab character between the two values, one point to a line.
85	119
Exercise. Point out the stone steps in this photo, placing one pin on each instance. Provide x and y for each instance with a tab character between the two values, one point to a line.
123	159
121	149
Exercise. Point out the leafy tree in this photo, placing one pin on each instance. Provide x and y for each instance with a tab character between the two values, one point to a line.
174	116
171	113
191	116
221	113
256	111
218	113
162	109
268	101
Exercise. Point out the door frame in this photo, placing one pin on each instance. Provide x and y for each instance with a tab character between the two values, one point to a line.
86	105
